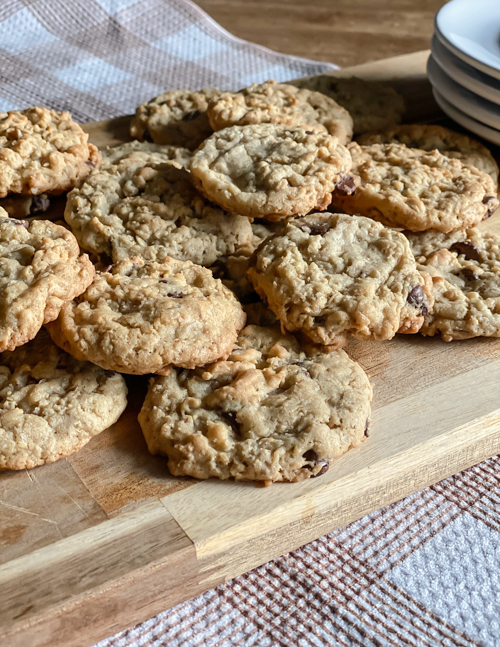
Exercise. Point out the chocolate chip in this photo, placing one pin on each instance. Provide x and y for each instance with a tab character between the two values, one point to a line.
469	274
309	132
468	249
367	428
39	204
416	296
424	309
488	198
312	457
345	186
315	230
192	114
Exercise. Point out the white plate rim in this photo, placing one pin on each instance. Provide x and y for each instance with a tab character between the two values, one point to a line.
490	134
482	67
464	100
452	65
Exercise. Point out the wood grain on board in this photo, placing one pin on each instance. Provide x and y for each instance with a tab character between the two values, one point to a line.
107	538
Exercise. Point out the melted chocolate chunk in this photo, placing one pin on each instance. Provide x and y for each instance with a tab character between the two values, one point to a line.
315	230
192	114
416	296
468	249
312	457
345	186
469	274
39	204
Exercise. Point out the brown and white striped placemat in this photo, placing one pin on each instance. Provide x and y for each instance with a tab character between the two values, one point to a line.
424	571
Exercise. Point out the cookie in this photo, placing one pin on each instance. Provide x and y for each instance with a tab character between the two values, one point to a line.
465	271
51	405
141	317
280	103
270	412
426	137
416	190
146	207
177	154
42	151
270	171
333	275
40	271
372	105
178	117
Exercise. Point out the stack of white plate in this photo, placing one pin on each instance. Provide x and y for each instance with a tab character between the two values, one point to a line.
464	67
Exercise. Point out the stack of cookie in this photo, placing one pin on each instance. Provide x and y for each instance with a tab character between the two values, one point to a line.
243	207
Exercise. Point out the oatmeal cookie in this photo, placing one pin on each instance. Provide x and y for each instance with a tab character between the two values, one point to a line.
115	154
146	207
270	171
40	271
270	412
372	105
428	138
141	317
333	275
51	405
465	271
178	117
415	189
280	103
42	151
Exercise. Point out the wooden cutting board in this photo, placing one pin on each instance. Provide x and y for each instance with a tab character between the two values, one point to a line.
107	538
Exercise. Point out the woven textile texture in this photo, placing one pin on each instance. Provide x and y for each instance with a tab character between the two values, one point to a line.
101	58
424	571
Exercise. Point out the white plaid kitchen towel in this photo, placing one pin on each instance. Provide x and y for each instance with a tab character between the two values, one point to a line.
424	571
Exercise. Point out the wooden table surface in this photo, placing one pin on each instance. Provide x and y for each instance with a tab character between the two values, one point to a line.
345	32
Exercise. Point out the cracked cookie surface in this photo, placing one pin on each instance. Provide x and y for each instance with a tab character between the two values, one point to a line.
270	412
280	103
141	317
51	405
416	190
270	171
178	117
41	270
42	151
333	275
465	271
143	206
115	154
428	137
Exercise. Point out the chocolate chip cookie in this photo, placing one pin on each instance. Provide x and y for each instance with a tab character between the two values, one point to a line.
51	405
333	275
280	103
178	117
42	151
270	412
372	105
465	271
143	206
270	171
40	271
416	190
141	317
428	138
